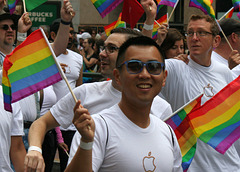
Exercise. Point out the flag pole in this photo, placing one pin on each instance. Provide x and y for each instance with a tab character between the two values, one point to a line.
226	13
24	6
172	11
183	106
59	67
224	34
159	24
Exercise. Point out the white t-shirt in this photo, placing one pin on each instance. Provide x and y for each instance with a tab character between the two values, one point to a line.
11	124
235	71
75	63
96	97
184	82
121	145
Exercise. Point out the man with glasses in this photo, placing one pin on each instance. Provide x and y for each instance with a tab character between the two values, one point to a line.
186	81
126	137
223	53
95	96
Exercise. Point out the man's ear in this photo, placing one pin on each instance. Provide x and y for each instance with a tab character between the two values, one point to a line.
53	35
116	75
216	41
164	77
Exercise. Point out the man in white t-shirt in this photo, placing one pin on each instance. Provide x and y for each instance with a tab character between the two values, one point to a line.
223	53
185	81
127	137
11	132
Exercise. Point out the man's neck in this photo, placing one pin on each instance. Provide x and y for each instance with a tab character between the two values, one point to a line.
223	50
203	60
6	49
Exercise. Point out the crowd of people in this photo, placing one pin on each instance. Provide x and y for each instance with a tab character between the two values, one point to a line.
117	124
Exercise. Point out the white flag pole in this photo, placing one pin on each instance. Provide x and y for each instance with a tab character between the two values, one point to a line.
226	14
58	66
183	107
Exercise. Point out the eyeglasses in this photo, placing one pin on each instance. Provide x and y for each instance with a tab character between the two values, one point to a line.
6	27
198	33
136	66
110	48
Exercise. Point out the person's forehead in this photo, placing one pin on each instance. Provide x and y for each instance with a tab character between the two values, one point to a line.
116	39
199	24
7	21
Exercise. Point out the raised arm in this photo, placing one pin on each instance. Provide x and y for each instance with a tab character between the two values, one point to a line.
150	9
82	161
60	43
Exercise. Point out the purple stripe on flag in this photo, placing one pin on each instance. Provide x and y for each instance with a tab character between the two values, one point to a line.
34	88
7	107
171	123
110	8
228	141
168	3
192	4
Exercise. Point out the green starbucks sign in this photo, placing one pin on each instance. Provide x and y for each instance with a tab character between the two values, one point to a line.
45	14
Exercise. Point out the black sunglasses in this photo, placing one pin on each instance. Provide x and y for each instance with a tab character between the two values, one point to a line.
136	66
6	27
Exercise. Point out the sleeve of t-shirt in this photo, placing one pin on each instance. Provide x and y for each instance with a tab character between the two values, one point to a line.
17	121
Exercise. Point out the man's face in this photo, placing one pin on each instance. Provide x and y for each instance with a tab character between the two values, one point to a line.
86	45
200	46
108	59
7	37
142	86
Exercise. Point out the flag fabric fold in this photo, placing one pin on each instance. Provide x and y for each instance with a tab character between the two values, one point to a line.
204	5
31	4
236	5
105	6
162	20
12	5
29	68
115	24
132	11
217	122
230	13
168	2
185	136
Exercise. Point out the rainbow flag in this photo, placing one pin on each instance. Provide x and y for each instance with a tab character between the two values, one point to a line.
159	6
12	5
28	69
115	24
163	19
171	3
105	6
31	4
185	136
229	13
204	5
236	4
217	122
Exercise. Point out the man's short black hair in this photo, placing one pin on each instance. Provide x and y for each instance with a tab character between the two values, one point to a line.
137	41
55	25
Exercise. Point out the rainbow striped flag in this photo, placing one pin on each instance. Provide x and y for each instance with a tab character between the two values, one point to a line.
171	3
12	5
105	6
229	13
236	4
185	136
204	5
28	69
217	122
116	24
159	6
163	19
31	4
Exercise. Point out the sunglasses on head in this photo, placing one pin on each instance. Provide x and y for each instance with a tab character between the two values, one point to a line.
136	66
6	27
